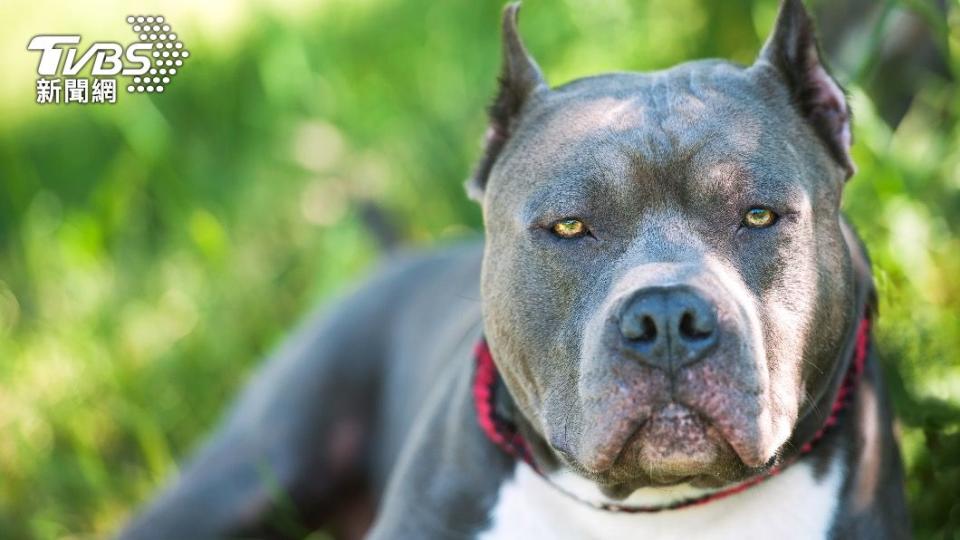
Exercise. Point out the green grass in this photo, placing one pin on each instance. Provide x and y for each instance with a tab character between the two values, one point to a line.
152	252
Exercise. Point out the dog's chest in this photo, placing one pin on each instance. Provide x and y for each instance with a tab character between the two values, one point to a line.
793	505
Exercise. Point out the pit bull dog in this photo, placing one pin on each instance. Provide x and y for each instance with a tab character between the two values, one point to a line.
666	333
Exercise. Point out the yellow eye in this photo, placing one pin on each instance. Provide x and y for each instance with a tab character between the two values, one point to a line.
759	218
569	228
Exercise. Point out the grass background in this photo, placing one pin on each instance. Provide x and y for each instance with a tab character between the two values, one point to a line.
154	251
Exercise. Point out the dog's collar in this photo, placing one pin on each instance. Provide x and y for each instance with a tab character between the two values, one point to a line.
504	433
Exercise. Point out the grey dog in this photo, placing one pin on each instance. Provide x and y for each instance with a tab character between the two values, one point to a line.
673	338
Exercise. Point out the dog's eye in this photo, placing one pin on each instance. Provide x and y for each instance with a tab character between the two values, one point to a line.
569	228
758	218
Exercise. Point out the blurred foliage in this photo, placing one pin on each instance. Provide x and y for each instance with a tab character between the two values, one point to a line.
152	252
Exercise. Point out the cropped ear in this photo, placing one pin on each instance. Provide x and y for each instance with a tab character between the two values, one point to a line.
793	50
520	77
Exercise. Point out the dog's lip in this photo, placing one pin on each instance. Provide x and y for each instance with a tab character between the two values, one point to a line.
749	455
679	419
671	410
745	453
603	459
625	443
611	455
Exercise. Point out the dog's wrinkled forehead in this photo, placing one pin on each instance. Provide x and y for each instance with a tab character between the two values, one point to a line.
655	119
703	122
659	115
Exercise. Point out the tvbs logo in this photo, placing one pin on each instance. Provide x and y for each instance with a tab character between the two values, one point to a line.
151	61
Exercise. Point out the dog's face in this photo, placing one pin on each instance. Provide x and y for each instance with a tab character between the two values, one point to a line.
666	284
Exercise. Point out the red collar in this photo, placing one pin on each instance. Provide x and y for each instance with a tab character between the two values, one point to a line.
504	434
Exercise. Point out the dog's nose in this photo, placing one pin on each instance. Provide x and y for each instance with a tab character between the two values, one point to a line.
668	327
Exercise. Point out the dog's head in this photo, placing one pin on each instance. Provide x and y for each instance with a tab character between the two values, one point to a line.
666	284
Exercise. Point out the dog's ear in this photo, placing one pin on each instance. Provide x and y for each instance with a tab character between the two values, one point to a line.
793	50
520	77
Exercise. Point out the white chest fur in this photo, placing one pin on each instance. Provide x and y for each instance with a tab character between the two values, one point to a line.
793	505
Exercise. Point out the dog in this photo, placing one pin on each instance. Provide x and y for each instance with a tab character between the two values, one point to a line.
672	339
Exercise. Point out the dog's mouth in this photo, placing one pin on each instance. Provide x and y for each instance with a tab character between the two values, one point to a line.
674	444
